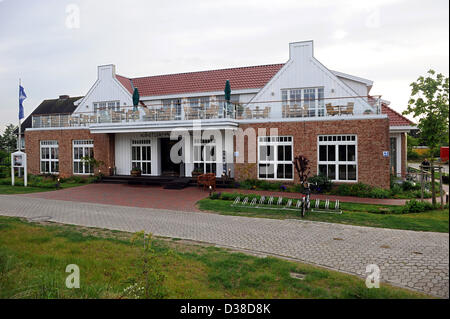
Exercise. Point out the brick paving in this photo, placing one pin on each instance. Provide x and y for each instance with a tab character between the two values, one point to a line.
129	195
184	200
417	260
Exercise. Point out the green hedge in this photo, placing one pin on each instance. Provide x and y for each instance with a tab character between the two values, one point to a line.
48	181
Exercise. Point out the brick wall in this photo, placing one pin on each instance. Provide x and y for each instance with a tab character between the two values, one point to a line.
103	148
373	139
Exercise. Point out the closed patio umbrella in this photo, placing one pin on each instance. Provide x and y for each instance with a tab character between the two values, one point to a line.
227	95
135	99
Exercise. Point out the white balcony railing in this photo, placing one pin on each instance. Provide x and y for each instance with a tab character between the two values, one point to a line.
348	106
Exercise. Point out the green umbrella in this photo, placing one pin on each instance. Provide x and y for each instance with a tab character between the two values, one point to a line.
227	95
227	91
135	99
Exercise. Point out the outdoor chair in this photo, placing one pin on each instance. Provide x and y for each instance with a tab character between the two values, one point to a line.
93	119
284	110
248	113
349	108
296	111
212	112
330	110
305	111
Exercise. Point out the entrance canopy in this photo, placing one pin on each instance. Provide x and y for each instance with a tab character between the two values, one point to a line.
138	127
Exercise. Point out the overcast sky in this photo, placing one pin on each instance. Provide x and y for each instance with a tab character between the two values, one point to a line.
43	42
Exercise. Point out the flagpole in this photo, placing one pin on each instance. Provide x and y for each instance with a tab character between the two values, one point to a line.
20	133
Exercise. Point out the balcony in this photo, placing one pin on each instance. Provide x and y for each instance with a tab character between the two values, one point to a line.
327	107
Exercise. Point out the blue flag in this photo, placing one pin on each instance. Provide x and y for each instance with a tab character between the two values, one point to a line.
22	97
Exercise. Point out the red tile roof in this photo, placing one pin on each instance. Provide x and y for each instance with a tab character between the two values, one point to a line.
125	82
395	119
252	77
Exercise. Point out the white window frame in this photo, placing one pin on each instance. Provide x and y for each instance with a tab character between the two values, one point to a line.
106	105
140	144
276	141
319	102
336	140
204	160
48	144
85	145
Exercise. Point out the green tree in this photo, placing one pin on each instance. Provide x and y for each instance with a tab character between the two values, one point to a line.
429	104
8	141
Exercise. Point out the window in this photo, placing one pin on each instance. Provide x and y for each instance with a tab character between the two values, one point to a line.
141	156
205	156
275	157
110	105
193	102
337	157
81	150
312	99
49	157
175	105
234	99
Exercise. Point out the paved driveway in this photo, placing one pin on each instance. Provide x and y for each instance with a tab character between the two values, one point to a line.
418	260
129	195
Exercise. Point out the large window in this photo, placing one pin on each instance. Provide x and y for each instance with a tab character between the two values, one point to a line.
83	149
338	157
205	156
275	157
234	100
312	99
49	157
110	105
141	156
175	105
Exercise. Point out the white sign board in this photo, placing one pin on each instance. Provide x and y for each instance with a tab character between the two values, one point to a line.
385	153
19	160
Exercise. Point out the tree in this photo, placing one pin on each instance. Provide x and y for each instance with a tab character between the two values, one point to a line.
8	141
301	164
429	104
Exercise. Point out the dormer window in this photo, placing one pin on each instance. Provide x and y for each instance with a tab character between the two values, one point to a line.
110	105
309	100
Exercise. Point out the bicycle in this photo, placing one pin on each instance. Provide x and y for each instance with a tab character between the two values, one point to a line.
306	203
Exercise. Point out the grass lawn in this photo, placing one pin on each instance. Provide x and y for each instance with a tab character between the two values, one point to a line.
353	214
33	259
8	189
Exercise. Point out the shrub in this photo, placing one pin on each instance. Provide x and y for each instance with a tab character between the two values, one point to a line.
215	196
396	189
320	183
361	190
407	185
415	206
379	193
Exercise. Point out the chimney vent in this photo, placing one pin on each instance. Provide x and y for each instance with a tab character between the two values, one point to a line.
63	97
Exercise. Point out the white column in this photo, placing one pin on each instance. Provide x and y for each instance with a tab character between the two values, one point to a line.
156	156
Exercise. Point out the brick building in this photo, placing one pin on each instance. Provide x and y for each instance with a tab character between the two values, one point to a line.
184	123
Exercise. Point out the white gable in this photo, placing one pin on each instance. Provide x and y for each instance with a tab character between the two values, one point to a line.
106	88
304	71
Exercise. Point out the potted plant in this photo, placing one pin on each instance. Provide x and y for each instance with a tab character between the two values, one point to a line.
135	171
197	172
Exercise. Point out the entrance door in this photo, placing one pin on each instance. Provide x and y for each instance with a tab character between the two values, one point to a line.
141	156
393	155
168	168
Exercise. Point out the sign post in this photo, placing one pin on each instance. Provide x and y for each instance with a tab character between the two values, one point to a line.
19	160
